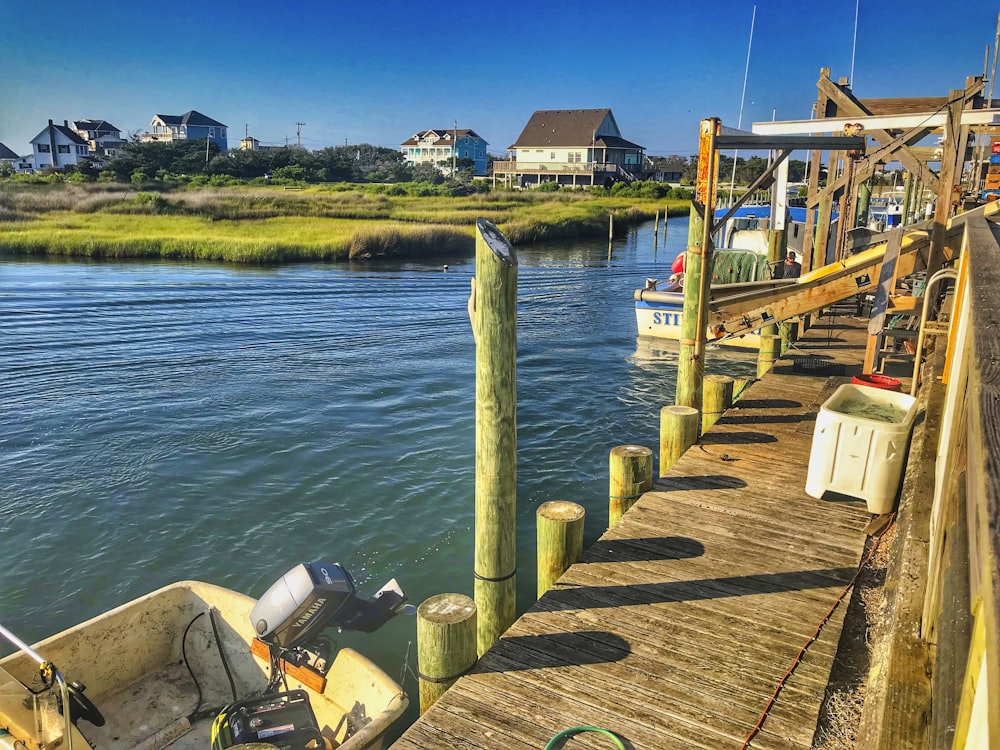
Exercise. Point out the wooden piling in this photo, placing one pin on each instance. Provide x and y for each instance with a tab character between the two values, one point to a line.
630	469
678	432
717	398
769	348
611	227
446	644
560	540
494	311
740	385
656	225
698	272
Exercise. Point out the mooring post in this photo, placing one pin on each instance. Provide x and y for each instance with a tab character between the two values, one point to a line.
446	644
698	272
494	315
560	540
718	397
789	333
740	386
769	347
611	226
656	225
678	432
630	469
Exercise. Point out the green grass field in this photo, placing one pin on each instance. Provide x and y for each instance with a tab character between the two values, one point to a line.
271	225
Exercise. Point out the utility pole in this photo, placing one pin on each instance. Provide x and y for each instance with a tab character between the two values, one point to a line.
298	132
208	140
454	150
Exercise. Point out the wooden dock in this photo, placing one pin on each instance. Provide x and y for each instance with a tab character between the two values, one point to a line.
679	623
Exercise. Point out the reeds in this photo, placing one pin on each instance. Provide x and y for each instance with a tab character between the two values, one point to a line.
270	225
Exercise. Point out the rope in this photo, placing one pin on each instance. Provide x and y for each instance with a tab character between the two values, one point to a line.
814	636
567	733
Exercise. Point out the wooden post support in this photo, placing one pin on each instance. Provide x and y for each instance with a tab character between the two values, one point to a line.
678	432
494	315
446	644
630	469
560	540
718	397
769	347
740	386
698	271
789	334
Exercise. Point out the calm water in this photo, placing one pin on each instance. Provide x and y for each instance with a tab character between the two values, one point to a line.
168	421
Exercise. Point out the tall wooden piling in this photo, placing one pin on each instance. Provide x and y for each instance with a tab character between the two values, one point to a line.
446	644
630	469
494	315
698	272
611	227
678	432
718	397
560	540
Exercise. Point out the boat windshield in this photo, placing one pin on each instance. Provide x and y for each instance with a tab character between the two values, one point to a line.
29	717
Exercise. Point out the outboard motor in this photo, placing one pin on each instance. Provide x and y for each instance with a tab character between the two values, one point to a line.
314	596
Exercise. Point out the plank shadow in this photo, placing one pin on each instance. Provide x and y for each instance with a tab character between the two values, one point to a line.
521	652
565	597
703	482
736	438
730	418
644	549
767	403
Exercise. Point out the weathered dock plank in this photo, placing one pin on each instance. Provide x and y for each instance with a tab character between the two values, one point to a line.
678	624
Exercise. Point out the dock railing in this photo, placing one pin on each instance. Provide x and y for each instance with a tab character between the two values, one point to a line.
960	624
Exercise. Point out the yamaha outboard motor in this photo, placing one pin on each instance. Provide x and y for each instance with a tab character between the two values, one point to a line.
314	596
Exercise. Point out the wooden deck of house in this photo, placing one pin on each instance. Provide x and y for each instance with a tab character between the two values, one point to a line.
678	624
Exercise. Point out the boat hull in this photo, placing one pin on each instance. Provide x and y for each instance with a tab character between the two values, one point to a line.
662	320
137	662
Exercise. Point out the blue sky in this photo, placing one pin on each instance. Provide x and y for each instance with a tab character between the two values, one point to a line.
380	70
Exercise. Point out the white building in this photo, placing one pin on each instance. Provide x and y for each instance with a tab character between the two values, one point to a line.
58	147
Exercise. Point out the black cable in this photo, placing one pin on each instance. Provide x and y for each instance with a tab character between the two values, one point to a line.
222	652
188	665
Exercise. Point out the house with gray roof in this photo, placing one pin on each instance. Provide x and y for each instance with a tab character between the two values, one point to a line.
190	126
58	147
104	139
444	146
571	147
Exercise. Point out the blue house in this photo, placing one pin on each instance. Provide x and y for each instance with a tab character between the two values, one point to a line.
190	126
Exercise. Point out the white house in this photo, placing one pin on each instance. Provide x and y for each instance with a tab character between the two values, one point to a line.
444	146
58	147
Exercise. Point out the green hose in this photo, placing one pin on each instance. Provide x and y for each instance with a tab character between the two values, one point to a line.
567	733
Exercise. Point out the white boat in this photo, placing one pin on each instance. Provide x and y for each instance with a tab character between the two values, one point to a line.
194	665
740	265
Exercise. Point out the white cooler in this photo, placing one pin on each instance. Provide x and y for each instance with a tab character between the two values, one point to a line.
860	443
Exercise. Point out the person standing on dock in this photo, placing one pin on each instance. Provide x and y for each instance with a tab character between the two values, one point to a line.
791	269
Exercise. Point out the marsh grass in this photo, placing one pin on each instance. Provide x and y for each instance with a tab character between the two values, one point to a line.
270	225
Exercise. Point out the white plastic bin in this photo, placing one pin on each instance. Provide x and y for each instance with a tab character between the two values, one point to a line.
859	445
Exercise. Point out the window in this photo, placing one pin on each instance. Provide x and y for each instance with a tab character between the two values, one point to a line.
63	148
43	148
552	156
573	157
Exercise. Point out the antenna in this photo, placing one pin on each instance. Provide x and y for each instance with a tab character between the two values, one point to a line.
857	7
743	96
298	132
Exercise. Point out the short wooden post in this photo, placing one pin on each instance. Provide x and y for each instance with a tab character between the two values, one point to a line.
630	469
446	644
494	316
768	353
560	540
717	398
678	432
789	334
740	386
